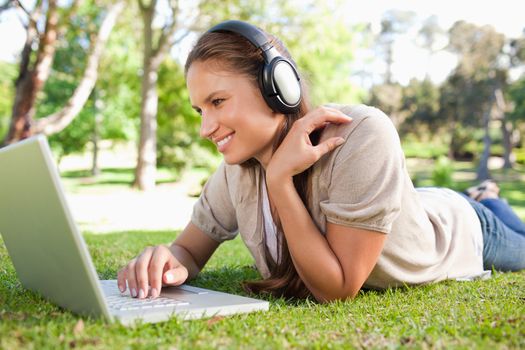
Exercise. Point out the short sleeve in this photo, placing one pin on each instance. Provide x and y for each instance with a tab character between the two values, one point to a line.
367	176
213	213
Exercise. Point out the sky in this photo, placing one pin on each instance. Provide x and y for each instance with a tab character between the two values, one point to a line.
409	60
413	61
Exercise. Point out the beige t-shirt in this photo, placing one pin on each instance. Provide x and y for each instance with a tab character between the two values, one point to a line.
433	234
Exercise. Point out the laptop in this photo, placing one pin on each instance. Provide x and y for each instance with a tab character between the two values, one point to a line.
51	258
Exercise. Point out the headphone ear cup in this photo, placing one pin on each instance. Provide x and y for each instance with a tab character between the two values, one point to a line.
287	82
280	85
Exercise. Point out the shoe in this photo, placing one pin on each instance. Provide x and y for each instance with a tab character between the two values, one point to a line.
486	189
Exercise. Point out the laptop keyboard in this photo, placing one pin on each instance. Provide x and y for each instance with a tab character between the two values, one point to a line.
124	302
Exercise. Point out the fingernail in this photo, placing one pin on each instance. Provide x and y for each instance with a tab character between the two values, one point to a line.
169	277
154	293
141	293
339	141
121	288
133	292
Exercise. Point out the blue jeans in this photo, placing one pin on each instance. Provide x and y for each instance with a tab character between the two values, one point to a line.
503	235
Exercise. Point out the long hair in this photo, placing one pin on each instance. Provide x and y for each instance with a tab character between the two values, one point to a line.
234	53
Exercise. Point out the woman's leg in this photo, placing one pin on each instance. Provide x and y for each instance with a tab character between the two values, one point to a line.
505	213
503	248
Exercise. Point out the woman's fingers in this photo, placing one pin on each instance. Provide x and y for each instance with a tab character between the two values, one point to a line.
141	272
121	279
128	274
161	262
176	276
321	116
328	145
154	266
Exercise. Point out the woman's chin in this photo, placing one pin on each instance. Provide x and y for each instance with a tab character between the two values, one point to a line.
234	160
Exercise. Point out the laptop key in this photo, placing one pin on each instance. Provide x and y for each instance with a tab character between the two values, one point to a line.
124	303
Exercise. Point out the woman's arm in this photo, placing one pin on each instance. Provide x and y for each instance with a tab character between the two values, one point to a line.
334	266
193	248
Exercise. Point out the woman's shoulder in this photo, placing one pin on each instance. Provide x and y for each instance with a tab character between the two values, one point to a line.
367	122
235	177
358	111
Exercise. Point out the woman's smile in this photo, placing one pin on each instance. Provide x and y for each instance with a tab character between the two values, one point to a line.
223	142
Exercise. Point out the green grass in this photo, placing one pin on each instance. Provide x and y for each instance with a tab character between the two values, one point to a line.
109	179
481	314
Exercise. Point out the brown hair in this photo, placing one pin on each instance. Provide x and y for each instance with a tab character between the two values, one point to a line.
234	53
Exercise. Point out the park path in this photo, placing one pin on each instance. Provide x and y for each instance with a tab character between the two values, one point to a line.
167	207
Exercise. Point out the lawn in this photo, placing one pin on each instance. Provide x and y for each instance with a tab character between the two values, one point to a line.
480	314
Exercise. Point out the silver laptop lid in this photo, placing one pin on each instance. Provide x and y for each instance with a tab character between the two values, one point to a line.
49	254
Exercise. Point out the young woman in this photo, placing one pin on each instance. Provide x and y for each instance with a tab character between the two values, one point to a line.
321	196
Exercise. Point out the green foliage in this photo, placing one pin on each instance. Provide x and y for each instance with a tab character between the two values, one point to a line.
118	84
178	142
520	155
421	104
77	134
389	98
442	173
68	69
8	73
423	150
517	96
323	45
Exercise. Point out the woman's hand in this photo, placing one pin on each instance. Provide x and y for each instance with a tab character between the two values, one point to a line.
153	267
296	153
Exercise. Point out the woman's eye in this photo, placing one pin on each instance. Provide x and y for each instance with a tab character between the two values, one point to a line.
217	101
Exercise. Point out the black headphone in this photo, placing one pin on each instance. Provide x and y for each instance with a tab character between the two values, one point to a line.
278	79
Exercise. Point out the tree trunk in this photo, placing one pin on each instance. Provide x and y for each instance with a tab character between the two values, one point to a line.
95	169
31	79
146	170
145	173
389	62
452	133
483	169
505	129
507	143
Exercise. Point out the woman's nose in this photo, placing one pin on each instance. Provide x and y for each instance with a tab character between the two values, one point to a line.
209	125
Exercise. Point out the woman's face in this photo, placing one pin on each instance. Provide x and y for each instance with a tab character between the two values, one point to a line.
235	116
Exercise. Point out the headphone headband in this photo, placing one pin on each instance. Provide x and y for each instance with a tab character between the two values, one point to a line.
250	32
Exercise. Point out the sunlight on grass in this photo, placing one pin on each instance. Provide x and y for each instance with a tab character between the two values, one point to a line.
480	314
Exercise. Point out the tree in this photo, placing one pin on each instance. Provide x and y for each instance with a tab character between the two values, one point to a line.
430	34
479	78
153	55
36	62
421	102
393	23
389	98
516	115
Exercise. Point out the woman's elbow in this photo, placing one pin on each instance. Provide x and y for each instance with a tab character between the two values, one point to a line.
337	295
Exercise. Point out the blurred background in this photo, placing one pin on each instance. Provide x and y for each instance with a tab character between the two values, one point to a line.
104	81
